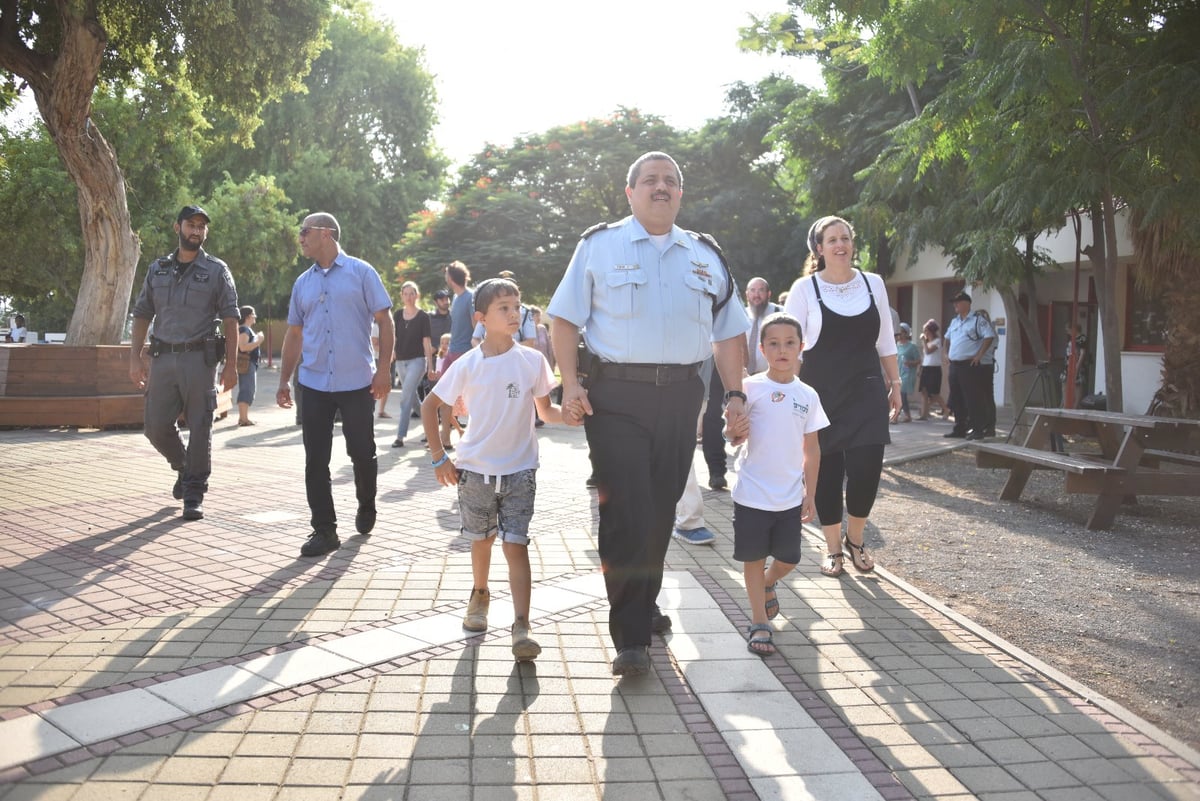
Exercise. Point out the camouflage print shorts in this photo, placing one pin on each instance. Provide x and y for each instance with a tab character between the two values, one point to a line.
496	504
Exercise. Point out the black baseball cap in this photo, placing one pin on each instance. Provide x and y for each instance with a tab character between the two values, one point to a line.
187	212
961	296
441	293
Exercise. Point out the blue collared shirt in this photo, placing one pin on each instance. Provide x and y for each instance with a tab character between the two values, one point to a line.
637	305
462	321
965	334
335	308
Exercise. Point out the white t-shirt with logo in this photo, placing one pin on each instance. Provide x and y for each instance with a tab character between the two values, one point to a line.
498	392
770	466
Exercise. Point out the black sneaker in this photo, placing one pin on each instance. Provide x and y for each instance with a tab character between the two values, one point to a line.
659	623
193	510
399	443
177	492
320	543
364	521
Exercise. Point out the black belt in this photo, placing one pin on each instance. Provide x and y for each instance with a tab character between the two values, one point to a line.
657	374
182	347
961	362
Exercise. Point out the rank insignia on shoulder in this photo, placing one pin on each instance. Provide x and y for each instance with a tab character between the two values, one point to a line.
593	229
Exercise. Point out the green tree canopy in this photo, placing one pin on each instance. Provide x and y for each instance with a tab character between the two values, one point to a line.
238	55
355	140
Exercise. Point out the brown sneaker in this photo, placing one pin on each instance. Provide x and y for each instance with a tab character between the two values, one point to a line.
477	609
524	647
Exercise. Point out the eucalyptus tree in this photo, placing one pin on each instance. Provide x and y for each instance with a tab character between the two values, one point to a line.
238	54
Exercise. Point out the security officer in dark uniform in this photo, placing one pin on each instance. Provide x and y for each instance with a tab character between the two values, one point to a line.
183	295
654	301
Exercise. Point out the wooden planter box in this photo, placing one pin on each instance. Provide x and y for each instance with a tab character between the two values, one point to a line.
61	385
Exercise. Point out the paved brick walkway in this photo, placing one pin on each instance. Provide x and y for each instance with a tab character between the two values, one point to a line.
143	657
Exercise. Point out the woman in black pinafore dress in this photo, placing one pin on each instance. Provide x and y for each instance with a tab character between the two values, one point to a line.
850	360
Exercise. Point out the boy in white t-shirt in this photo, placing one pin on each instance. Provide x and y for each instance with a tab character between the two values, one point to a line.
496	463
770	496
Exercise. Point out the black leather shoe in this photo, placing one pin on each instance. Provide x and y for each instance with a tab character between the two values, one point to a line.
632	661
177	491
975	436
320	544
364	521
954	435
193	510
659	623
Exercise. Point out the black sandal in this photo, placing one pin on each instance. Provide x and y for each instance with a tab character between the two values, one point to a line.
833	565
860	552
765	643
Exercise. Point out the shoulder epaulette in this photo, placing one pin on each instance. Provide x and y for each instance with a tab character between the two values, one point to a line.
593	229
709	240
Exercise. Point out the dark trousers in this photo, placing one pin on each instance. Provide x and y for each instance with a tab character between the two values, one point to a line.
858	469
358	427
712	441
182	383
641	439
969	396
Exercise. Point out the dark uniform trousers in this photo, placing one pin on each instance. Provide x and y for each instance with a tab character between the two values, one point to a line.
969	384
358	427
183	383
642	438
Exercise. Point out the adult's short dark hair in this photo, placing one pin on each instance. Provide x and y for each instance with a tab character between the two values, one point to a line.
488	291
635	169
457	272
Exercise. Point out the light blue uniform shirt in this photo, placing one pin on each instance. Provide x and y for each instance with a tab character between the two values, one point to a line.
965	336
637	305
335	308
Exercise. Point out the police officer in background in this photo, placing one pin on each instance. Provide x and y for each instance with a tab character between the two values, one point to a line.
654	301
183	295
969	338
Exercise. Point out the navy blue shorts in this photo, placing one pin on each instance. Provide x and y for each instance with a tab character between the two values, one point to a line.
758	534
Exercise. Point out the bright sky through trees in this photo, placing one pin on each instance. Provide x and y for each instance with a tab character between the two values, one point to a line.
507	69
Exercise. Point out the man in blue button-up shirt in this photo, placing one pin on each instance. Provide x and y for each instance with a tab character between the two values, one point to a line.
329	321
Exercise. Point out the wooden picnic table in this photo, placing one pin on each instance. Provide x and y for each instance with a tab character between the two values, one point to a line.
1138	455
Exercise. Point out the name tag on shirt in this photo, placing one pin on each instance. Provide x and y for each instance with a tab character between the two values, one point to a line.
627	266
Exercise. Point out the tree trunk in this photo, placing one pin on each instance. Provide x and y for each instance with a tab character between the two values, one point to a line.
64	97
1102	254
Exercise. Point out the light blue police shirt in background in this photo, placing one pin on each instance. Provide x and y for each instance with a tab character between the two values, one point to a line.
965	336
637	305
335	308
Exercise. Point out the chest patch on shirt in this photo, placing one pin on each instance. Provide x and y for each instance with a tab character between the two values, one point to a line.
701	269
777	397
513	391
200	278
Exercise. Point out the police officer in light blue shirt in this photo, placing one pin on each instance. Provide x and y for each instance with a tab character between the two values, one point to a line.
654	301
329	320
969	338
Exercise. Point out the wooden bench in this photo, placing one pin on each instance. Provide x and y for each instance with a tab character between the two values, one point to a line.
999	455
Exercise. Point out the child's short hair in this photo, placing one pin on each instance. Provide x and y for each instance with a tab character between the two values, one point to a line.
779	318
493	288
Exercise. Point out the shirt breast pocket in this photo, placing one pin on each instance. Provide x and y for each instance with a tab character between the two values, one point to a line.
199	291
701	295
621	289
